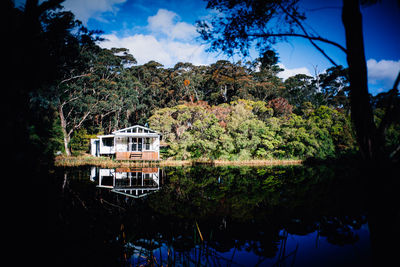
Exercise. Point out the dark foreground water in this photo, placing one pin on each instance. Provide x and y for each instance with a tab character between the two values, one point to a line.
209	216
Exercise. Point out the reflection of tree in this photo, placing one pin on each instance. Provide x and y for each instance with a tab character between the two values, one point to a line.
234	209
236	213
339	230
74	212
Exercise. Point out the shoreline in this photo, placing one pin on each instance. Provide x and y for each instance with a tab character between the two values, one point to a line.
77	161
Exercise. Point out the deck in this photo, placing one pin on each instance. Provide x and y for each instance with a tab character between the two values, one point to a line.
145	155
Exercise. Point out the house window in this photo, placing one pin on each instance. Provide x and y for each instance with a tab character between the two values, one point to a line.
108	141
134	144
147	144
140	144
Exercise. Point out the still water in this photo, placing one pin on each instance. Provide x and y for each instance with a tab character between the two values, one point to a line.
210	216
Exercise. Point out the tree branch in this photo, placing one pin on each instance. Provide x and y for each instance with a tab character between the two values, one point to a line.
74	77
77	126
309	37
266	35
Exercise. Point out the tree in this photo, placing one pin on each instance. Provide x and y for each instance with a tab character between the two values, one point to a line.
38	40
226	81
334	87
243	23
280	106
299	89
186	82
245	129
103	90
191	130
264	72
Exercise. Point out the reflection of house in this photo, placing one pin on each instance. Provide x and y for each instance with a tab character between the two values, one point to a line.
132	143
132	182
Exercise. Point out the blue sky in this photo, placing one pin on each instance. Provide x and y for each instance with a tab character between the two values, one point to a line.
164	31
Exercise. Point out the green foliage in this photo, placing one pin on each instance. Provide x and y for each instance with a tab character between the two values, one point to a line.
246	129
56	137
392	137
81	140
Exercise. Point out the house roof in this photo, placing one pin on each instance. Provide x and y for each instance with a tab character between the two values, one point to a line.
135	129
105	136
132	131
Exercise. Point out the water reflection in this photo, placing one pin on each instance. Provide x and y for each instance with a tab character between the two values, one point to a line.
130	182
206	216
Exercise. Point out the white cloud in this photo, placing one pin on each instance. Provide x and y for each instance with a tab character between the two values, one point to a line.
162	21
166	22
169	41
143	47
383	71
286	73
85	9
167	52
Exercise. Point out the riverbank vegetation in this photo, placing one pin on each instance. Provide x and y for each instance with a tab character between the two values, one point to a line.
106	162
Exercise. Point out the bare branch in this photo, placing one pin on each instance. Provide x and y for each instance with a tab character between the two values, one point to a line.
266	35
74	77
77	126
308	36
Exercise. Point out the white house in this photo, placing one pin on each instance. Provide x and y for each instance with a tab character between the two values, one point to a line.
132	143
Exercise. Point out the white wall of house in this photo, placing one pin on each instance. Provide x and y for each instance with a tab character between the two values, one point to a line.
94	147
156	144
121	144
104	148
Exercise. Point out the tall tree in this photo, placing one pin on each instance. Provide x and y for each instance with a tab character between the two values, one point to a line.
264	72
299	89
99	90
29	55
334	87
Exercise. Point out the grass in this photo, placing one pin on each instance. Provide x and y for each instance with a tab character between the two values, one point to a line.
105	162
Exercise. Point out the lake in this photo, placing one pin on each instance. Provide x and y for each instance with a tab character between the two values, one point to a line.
210	216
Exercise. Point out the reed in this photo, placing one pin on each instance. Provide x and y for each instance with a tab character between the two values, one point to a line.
105	162
269	162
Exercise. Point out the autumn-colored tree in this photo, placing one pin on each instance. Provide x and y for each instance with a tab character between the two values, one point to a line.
280	106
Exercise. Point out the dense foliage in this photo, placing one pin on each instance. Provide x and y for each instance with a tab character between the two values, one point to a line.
246	129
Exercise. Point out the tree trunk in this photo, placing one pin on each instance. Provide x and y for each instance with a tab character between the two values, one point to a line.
224	92
361	110
64	130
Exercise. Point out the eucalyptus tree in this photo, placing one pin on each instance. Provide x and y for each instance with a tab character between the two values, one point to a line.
227	80
264	71
150	86
47	45
334	87
299	89
186	81
99	91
